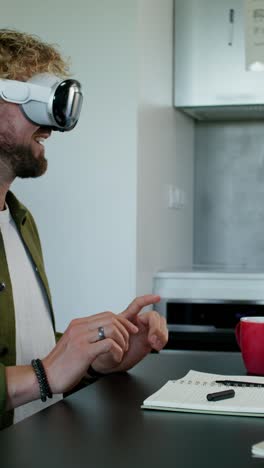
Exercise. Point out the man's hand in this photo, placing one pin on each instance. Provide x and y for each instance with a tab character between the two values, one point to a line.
129	336
69	360
80	345
152	334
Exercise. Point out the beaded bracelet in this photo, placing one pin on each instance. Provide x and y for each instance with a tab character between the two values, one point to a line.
44	387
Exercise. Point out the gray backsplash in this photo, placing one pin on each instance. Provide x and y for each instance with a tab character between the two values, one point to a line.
229	194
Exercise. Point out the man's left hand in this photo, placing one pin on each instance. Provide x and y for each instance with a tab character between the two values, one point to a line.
152	334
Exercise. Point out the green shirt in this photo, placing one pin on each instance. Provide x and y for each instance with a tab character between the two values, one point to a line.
29	234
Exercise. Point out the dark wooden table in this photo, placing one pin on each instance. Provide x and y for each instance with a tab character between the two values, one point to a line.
103	425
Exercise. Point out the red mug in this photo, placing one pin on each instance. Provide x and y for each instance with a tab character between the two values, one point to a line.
250	338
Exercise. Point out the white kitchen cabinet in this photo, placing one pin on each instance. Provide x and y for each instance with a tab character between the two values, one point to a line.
211	79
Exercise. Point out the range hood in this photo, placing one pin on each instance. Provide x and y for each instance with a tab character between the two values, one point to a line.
224	113
211	78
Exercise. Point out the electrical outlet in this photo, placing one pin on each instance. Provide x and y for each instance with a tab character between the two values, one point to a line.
176	197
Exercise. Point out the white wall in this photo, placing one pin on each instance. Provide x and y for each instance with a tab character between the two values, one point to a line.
101	208
85	206
165	151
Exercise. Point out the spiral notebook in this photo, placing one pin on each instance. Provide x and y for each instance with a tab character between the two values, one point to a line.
189	394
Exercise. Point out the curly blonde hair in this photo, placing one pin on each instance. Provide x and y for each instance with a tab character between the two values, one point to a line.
23	55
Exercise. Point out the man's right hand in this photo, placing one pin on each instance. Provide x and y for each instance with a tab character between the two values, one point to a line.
70	359
78	347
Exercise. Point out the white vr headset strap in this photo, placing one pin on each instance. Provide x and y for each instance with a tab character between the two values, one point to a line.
20	92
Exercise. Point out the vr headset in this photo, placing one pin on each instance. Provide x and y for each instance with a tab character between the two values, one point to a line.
46	100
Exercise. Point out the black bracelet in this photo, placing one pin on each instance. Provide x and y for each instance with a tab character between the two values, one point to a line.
44	387
93	373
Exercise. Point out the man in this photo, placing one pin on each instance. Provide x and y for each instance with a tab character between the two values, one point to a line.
35	98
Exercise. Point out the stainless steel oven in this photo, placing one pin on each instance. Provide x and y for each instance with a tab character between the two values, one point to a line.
202	306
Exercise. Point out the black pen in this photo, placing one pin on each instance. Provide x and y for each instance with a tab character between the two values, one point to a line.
238	383
220	395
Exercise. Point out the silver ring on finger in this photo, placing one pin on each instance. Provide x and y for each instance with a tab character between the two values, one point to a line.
101	333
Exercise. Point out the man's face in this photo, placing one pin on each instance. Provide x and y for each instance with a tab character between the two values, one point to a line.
21	143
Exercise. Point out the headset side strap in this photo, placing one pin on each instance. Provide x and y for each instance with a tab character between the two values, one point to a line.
20	92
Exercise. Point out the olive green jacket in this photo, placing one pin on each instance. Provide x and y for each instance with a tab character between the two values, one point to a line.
29	234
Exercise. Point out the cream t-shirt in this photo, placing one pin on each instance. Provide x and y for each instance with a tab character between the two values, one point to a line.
34	332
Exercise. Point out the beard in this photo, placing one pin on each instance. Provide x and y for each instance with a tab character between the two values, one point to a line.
20	158
22	162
